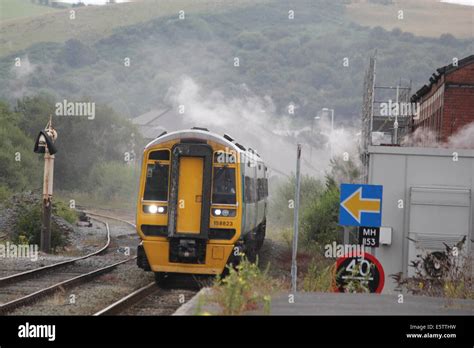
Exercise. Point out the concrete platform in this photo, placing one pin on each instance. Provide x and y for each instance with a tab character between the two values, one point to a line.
308	303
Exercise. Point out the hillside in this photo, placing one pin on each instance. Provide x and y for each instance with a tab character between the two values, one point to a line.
13	9
296	61
91	23
421	17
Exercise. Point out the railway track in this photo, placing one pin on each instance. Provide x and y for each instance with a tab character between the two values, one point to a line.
129	300
35	284
78	277
26	288
37	271
150	300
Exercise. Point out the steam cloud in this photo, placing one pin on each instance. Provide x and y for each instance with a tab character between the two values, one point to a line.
463	139
252	121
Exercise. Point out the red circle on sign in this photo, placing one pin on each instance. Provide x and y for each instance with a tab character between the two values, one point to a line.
372	259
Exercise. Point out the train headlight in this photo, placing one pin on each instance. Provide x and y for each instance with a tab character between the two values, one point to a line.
224	212
154	209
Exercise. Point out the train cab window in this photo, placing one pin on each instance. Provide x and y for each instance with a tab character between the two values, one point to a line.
160	155
223	189
156	186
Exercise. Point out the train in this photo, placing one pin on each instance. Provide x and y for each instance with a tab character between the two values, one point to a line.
202	203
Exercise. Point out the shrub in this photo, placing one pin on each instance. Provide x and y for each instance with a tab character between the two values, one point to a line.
319	277
28	225
5	193
246	287
62	210
320	218
451	276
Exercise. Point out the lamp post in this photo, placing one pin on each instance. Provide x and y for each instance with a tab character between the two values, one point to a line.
332	117
326	110
316	118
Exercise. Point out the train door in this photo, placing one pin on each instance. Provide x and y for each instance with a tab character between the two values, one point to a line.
190	191
190	195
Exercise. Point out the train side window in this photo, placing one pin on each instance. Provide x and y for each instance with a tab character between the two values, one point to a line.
259	190
223	187
156	185
247	190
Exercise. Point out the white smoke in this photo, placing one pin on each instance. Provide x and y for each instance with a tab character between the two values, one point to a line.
21	70
421	137
463	139
253	122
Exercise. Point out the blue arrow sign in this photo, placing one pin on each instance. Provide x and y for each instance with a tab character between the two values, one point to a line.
361	205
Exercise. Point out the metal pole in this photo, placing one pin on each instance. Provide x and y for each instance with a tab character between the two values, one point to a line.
372	100
294	271
395	125
346	235
45	242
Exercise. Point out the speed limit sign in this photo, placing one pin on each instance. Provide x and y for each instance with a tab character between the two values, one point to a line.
363	268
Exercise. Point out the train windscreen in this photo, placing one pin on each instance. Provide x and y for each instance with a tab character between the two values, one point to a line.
156	186
223	190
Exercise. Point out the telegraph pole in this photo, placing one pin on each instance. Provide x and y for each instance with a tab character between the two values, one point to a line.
44	144
294	271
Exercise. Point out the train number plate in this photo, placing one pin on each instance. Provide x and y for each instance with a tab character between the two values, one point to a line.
223	223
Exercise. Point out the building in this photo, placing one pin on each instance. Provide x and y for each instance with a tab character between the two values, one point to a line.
427	201
447	102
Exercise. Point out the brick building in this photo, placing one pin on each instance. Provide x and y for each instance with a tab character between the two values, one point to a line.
447	103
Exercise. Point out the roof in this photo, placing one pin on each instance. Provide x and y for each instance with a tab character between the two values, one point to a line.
202	135
419	151
447	69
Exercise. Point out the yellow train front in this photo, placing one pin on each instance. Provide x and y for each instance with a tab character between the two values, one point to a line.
202	202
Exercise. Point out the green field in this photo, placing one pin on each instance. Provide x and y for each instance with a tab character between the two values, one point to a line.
11	9
94	22
421	17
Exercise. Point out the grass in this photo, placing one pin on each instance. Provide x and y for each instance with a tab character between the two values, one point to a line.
245	288
95	22
12	9
421	17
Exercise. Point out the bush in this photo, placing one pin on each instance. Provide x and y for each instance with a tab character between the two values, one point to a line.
319	277
320	218
62	210
451	277
245	288
28	225
5	193
280	212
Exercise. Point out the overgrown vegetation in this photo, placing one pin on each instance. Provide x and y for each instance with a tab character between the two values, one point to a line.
319	205
319	277
28	225
245	288
447	274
